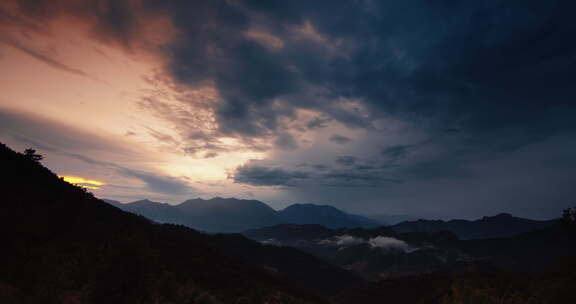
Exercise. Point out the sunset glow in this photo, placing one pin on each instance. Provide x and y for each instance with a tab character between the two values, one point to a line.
83	182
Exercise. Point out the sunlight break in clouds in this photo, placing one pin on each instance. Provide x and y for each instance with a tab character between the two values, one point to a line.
82	182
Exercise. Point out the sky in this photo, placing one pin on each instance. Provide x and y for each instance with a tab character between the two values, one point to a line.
435	109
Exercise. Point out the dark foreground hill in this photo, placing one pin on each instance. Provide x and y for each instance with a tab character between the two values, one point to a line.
383	252
438	268
62	245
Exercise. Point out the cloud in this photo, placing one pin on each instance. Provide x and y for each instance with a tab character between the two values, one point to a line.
339	139
286	141
436	64
396	152
159	183
44	57
385	66
343	241
346	160
380	242
123	23
391	68
264	176
41	130
317	122
389	243
313	175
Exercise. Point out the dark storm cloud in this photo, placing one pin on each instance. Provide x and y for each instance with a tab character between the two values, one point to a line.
357	178
475	66
317	122
339	139
286	141
345	160
107	19
349	174
264	176
396	152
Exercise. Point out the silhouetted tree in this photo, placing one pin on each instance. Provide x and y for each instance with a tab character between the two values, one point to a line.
569	215
32	155
569	219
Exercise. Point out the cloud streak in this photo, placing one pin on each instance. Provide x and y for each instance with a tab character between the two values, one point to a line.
359	176
45	58
25	129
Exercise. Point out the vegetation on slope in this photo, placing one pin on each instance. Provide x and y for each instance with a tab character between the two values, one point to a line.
62	245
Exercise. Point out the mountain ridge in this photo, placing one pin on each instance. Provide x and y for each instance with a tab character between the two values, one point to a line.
500	225
219	214
325	215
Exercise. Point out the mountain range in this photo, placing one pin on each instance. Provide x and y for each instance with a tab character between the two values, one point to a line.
236	215
501	225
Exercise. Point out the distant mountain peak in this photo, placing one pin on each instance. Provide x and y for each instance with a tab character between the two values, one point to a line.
146	202
222	201
500	225
216	214
309	206
500	215
326	215
312	205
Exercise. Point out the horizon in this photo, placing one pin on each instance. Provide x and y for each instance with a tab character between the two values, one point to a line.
370	216
437	110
